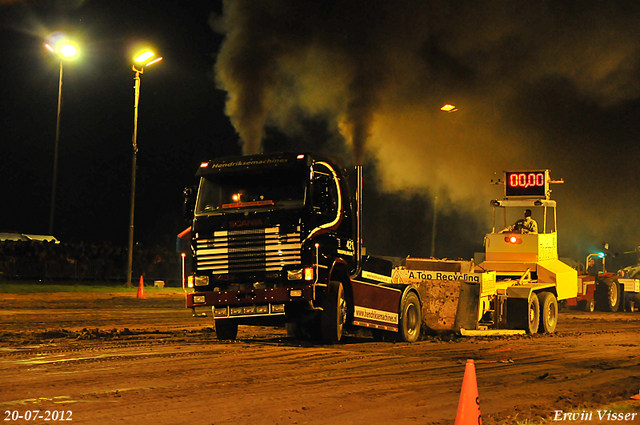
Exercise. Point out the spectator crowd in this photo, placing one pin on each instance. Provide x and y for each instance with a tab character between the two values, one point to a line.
21	260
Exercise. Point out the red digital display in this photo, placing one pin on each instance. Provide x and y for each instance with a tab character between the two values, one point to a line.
526	183
526	179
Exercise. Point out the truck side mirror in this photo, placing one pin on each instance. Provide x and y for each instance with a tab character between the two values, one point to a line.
189	204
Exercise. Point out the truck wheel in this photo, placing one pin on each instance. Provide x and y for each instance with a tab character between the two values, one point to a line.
548	312
533	315
410	318
379	335
226	329
334	314
294	329
608	295
589	305
303	330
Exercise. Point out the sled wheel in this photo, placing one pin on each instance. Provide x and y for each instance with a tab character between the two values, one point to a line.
410	318
226	329
548	312
334	314
533	315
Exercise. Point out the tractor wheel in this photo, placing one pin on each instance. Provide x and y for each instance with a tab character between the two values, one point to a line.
589	305
226	329
548	312
334	314
410	318
608	294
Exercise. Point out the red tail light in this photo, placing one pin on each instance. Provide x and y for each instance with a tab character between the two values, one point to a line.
513	240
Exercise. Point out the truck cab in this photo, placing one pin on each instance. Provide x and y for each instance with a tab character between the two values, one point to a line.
276	241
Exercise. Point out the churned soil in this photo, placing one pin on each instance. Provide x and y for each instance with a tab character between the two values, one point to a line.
108	358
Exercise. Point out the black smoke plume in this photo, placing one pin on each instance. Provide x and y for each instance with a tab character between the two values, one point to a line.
537	85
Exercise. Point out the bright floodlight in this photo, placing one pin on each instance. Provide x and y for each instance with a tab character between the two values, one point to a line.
145	56
153	61
68	51
449	108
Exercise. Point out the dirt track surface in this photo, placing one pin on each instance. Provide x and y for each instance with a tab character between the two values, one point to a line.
113	358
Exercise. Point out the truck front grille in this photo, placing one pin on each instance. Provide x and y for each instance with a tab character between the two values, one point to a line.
256	250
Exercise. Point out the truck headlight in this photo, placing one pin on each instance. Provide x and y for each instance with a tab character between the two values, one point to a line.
277	308
220	312
294	274
202	280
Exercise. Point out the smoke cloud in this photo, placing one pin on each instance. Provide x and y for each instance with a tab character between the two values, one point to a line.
537	85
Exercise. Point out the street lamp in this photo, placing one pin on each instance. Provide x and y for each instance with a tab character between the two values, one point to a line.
145	59
449	108
59	45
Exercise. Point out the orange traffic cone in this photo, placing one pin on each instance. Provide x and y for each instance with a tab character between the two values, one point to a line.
469	404
636	397
141	289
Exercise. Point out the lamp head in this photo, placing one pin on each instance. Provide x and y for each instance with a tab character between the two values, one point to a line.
60	44
146	58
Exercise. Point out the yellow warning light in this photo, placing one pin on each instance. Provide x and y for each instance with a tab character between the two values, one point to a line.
236	197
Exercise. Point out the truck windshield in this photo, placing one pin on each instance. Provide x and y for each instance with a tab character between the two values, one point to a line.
226	192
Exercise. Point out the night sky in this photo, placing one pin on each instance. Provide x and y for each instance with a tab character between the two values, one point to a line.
538	85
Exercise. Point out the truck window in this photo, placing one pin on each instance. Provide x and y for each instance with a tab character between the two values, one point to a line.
227	192
325	201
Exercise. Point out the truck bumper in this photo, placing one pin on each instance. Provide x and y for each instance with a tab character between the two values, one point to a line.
247	303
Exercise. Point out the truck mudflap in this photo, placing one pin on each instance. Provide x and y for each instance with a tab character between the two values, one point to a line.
376	306
468	306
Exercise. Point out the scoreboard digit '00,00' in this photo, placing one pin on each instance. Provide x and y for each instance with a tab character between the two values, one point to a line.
526	184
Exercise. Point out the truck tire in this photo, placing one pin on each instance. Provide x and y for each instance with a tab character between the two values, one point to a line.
304	330
410	318
295	330
608	295
334	313
548	312
379	335
226	329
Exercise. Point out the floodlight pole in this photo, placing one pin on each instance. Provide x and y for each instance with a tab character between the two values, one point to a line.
55	156
136	101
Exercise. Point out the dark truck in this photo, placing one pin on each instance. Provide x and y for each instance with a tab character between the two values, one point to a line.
276	240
